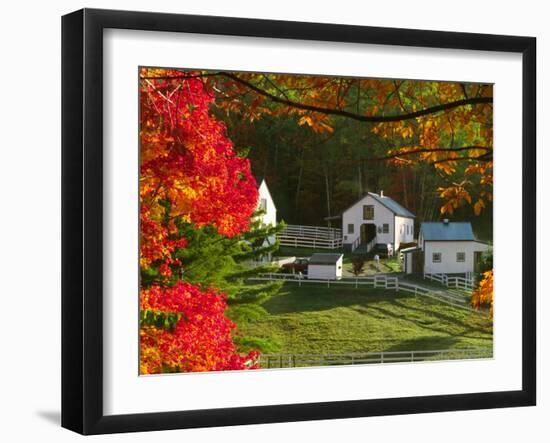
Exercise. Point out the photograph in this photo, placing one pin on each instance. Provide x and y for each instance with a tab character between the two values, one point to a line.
291	220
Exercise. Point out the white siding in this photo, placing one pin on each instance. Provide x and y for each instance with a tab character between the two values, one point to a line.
270	216
354	215
448	251
408	263
332	272
404	231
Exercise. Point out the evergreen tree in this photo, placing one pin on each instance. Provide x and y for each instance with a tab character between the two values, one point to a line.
211	260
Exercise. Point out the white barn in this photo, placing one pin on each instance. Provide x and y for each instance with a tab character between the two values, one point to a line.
325	266
445	248
269	215
376	219
265	203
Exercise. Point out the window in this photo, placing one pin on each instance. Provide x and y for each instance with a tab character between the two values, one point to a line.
436	257
460	256
351	228
385	228
263	204
368	212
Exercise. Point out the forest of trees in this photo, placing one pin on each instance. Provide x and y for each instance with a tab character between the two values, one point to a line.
320	142
317	169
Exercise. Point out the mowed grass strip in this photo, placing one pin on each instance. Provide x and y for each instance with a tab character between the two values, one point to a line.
313	319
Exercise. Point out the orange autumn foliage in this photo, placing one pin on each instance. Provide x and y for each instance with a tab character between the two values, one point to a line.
189	173
483	295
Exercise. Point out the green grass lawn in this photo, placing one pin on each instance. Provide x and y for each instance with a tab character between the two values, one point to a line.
318	320
387	265
427	283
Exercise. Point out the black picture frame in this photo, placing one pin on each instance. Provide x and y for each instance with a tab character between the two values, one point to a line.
82	215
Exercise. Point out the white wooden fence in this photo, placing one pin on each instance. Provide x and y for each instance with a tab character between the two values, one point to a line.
268	361
379	281
317	237
453	281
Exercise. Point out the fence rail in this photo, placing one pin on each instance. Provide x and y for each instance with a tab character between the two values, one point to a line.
453	281
375	281
311	237
299	360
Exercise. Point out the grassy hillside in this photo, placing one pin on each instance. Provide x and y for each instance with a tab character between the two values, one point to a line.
315	319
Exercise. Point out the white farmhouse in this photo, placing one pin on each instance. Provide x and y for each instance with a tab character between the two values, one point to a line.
444	248
269	215
325	266
376	219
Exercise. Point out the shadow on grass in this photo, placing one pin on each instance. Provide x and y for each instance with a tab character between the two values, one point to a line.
449	319
424	343
464	328
317	298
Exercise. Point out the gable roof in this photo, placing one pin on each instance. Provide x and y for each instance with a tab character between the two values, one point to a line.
388	202
324	259
447	231
392	205
259	180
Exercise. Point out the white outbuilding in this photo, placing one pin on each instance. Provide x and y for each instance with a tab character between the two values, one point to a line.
445	248
266	204
325	266
376	219
268	216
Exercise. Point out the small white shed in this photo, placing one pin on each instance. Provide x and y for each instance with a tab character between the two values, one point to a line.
325	266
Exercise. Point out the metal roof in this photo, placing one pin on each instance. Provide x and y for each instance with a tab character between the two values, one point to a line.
447	231
324	259
388	202
392	205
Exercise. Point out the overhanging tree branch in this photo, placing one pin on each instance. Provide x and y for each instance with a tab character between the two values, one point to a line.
359	117
485	157
488	151
338	112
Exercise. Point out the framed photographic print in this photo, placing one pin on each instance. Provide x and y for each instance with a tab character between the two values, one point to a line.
270	221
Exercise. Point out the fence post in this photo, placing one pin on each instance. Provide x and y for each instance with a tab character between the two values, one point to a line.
355	283
396	284
415	290
328	283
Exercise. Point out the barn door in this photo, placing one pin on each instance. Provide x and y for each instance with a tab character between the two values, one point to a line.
368	232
